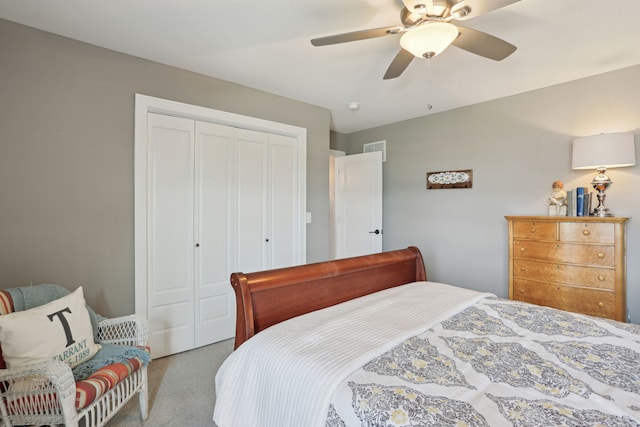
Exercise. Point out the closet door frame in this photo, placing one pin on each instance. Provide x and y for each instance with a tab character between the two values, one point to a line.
145	104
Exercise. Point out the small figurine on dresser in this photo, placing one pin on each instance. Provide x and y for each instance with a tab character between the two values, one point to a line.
558	200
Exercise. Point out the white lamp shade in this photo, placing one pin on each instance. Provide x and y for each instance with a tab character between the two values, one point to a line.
609	150
429	39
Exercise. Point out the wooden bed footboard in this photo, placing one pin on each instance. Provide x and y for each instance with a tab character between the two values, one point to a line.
268	297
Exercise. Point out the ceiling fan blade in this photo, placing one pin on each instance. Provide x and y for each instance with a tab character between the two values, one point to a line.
355	36
468	9
483	44
398	65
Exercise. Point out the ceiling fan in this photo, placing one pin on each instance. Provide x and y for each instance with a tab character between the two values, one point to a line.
427	30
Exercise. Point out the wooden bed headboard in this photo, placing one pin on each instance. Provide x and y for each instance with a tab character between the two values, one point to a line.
268	297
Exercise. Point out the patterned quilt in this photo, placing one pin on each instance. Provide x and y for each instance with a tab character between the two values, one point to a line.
500	363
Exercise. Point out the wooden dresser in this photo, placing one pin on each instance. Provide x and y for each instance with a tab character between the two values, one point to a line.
571	263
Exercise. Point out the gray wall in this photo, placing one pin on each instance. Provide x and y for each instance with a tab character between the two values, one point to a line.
339	141
66	166
66	159
516	147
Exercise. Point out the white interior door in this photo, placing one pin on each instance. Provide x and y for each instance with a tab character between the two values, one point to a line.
358	204
214	239
170	228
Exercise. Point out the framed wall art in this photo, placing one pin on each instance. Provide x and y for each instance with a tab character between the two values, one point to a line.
450	179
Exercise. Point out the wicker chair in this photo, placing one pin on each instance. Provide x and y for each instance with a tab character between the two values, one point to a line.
47	394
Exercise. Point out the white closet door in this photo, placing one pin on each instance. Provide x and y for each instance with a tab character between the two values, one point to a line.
251	177
203	210
214	238
284	214
170	233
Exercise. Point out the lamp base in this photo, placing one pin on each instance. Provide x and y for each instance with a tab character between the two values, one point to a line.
600	183
601	213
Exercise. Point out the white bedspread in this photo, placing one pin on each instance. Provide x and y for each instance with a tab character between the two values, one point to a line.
286	374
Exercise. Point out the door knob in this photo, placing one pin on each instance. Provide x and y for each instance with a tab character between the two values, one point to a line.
375	232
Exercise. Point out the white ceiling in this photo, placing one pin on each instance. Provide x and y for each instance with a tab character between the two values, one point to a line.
266	45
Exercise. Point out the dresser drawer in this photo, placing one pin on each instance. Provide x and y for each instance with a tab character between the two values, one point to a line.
579	300
535	230
586	232
592	277
598	255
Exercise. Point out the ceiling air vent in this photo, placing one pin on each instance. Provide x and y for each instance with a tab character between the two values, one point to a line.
376	146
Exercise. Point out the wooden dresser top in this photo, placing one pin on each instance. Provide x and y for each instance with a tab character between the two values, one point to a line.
542	218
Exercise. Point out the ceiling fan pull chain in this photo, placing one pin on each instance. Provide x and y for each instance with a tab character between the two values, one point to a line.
428	69
428	66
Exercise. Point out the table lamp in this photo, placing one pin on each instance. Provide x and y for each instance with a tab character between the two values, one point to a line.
606	150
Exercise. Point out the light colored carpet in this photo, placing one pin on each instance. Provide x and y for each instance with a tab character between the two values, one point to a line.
181	389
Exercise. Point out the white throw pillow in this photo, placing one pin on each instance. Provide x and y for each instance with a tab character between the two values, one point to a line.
60	329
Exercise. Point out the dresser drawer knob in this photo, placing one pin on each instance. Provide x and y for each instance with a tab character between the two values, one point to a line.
600	255
600	304
522	291
533	229
522	249
601	278
586	232
522	269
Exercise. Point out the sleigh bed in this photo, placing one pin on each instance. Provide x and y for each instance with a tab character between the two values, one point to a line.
367	341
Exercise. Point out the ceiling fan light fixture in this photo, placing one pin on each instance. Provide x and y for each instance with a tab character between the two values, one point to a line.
429	39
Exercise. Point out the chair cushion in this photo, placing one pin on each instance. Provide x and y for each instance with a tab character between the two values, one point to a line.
103	380
87	391
60	329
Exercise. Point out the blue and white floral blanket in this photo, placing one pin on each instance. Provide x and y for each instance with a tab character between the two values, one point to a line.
500	363
431	354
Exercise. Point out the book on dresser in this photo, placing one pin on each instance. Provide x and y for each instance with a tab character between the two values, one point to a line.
586	199
571	263
571	203
580	201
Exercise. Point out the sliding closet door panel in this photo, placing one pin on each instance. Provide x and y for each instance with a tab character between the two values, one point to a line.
251	174
170	231
283	195
214	181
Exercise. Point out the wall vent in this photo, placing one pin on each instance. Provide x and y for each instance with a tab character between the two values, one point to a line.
376	146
